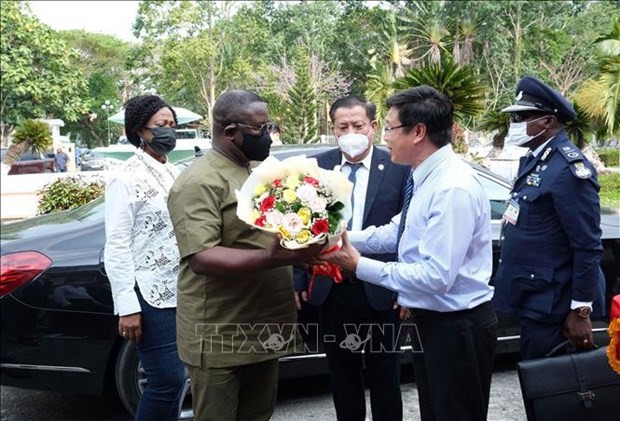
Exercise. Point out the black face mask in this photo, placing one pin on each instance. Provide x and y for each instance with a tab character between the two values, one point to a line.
256	148
164	140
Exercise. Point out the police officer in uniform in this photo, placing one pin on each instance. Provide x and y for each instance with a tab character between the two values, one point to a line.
551	247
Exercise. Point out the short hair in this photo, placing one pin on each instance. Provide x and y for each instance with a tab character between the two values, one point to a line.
232	104
138	111
351	101
426	105
275	128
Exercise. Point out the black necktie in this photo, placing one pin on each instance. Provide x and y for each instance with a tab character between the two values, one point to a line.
406	203
526	160
352	179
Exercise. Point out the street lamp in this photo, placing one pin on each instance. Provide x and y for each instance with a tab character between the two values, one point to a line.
107	107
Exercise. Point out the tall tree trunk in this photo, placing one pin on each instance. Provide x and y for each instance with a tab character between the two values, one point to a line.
6	130
14	151
517	52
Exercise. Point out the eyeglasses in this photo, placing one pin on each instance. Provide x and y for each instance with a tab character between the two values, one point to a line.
264	128
389	129
521	117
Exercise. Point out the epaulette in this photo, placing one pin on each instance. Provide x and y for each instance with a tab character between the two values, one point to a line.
571	153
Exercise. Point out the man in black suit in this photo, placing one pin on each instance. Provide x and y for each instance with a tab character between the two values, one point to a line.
356	315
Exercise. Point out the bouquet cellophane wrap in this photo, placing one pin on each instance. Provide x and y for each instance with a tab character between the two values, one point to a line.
272	169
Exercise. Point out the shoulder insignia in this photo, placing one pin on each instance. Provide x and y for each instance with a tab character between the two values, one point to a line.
581	171
571	154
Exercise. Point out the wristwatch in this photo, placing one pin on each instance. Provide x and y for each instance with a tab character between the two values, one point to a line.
583	312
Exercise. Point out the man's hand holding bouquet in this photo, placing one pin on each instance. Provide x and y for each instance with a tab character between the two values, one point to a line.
302	202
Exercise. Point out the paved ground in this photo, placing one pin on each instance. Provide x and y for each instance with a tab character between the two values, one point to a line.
307	399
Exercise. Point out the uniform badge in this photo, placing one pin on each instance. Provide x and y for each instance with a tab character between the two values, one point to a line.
581	170
533	180
546	153
381	167
567	148
572	154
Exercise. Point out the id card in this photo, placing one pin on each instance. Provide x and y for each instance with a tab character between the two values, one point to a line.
512	212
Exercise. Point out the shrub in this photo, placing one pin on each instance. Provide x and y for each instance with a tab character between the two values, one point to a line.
610	156
68	193
610	190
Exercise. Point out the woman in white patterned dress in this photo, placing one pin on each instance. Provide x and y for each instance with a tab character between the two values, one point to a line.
141	254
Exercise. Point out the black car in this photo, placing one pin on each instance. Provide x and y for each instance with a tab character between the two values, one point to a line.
58	327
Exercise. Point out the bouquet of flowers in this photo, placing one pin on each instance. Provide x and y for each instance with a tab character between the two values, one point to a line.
294	197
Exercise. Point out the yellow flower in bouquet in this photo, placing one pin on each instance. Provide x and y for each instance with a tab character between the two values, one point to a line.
296	198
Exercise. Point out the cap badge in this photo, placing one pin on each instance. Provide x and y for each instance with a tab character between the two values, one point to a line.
519	95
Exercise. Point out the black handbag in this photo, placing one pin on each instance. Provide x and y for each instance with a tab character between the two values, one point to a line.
577	386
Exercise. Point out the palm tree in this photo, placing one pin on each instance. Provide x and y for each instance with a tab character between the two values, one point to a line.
460	83
578	130
600	97
463	49
379	87
430	35
31	134
495	121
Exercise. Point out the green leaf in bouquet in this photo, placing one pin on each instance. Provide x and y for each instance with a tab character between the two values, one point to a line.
333	220
335	207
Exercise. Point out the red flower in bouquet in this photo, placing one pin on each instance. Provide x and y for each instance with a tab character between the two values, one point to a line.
312	181
267	203
260	221
320	226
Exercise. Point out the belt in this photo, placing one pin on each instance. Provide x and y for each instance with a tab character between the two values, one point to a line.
418	312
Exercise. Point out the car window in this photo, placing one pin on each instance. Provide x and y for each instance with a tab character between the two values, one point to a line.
497	193
28	156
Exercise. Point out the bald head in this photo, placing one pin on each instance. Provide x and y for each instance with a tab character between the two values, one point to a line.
233	106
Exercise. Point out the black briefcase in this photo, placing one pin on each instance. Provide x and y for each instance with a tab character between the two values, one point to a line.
578	386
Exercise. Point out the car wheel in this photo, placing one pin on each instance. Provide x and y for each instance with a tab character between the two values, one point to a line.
129	376
131	382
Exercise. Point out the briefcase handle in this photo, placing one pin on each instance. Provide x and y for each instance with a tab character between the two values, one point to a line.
564	345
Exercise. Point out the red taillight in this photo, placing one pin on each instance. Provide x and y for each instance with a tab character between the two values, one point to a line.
17	269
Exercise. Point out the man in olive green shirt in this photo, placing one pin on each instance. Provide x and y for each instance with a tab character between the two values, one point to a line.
235	303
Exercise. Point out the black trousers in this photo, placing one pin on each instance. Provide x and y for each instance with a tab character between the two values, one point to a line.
453	372
539	338
349	325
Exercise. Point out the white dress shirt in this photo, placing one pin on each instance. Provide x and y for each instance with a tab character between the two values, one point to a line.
361	185
140	244
445	254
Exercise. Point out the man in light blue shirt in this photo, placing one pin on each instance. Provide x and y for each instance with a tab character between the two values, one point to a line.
444	258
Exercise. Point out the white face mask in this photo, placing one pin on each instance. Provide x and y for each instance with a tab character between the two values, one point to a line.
517	133
353	144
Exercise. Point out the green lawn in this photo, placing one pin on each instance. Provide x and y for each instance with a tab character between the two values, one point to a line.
610	190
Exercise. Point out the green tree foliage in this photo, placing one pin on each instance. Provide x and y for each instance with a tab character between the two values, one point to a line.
31	134
599	97
461	84
301	114
39	78
102	59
